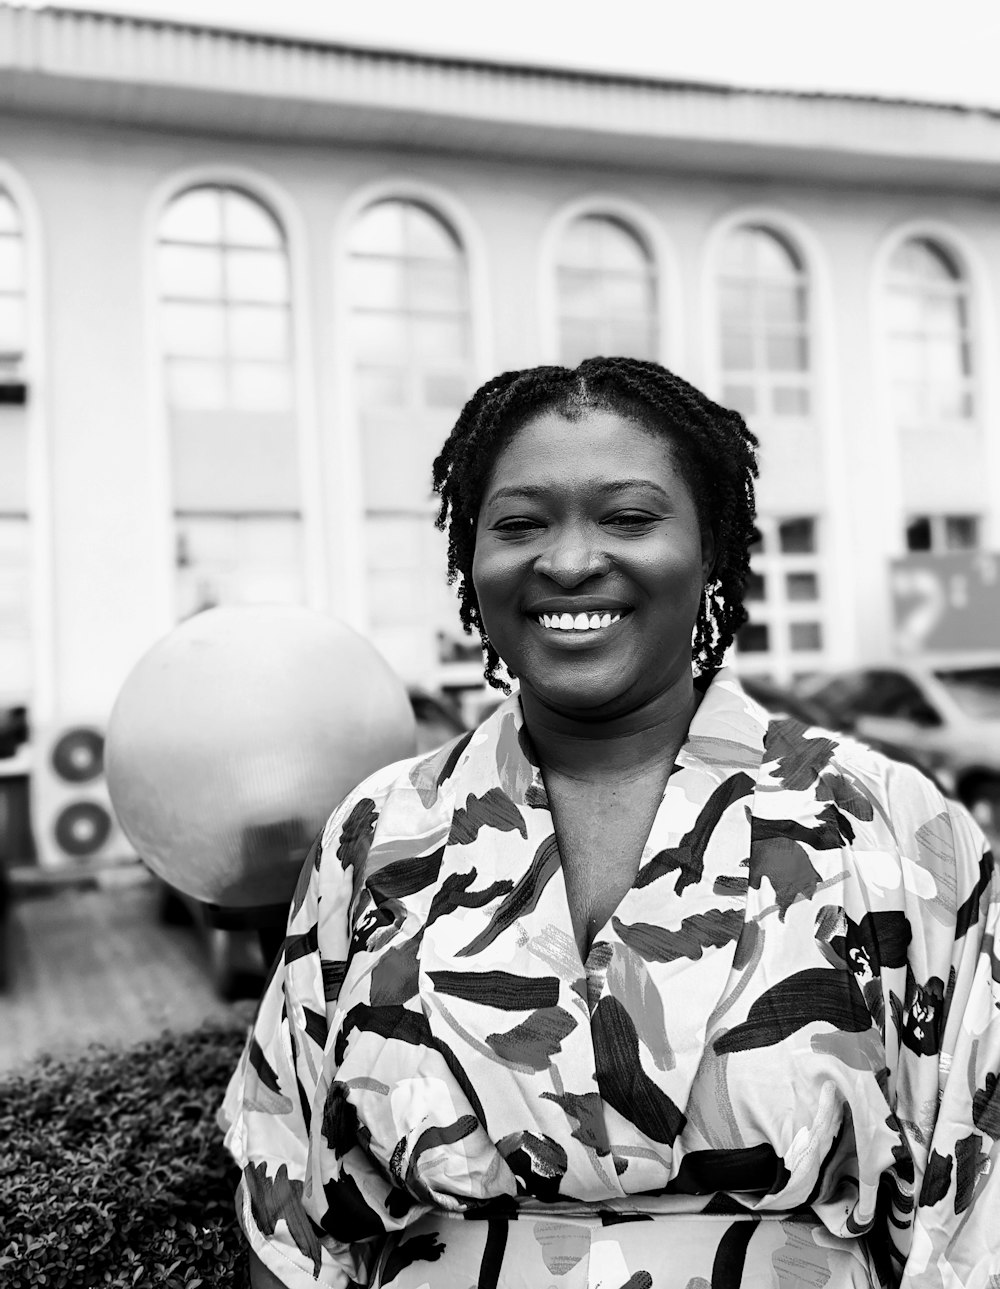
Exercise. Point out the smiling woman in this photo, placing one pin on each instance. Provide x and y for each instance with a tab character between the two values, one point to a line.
668	992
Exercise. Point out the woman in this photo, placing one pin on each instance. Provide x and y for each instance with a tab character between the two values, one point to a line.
649	987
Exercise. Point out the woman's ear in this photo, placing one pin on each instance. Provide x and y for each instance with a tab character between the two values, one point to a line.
708	554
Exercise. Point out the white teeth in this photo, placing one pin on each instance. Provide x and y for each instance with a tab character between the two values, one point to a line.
581	622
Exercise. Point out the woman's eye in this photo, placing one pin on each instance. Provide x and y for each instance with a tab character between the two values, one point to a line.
630	519
513	526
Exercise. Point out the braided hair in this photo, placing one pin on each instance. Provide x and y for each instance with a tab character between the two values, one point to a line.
712	445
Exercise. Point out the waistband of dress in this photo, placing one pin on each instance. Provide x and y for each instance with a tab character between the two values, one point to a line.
614	1213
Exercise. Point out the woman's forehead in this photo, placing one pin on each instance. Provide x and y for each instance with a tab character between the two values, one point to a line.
593	447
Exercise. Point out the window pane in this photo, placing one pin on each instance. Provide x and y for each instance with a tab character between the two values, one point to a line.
790	400
797	536
9	220
736	303
12	328
941	312
911	404
377	283
631	339
435	286
742	398
904	309
579	293
445	389
194	330
194	217
805	636
597	242
802	586
238	560
196	386
628	293
426	235
783	305
190	271
379	230
948	402
756	252
257	275
11	264
381	386
786	353
380	337
943	359
258	332
578	340
439	338
918	534
961	532
906	356
618	247
737	351
919	258
261	387
247	223
753	638
756	587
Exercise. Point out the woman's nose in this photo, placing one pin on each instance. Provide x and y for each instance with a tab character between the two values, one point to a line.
572	558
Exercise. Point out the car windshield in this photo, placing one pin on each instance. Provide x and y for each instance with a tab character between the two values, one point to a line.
976	690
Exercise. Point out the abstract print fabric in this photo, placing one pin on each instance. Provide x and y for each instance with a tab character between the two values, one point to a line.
777	1066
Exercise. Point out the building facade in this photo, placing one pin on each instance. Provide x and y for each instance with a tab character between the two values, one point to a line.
246	283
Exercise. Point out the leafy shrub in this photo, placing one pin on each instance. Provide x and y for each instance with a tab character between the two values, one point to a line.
113	1172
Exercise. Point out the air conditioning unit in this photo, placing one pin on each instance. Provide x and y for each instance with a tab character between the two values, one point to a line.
73	822
13	383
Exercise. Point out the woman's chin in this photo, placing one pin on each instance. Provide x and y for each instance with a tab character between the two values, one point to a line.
581	695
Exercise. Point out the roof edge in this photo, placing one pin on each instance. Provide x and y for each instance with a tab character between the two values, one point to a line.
537	71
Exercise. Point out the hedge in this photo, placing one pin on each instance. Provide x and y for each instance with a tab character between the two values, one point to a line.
112	1169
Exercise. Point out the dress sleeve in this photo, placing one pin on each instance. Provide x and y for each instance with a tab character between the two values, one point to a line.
945	1192
269	1111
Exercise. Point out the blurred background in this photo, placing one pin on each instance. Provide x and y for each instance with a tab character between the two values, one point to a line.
253	259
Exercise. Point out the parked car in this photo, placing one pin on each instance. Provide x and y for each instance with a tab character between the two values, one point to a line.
946	718
812	709
235	957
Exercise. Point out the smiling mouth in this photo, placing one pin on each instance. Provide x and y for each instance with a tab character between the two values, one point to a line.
577	622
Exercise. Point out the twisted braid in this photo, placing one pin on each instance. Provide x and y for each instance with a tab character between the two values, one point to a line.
714	449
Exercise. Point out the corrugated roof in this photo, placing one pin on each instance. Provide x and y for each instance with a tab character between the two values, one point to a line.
501	67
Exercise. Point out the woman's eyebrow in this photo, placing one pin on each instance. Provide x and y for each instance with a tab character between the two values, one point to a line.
614	486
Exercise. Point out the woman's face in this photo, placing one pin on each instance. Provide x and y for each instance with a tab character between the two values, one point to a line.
590	521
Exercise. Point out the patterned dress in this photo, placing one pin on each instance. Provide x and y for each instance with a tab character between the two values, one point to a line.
778	1065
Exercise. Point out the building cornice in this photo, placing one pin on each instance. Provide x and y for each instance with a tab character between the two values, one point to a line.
159	74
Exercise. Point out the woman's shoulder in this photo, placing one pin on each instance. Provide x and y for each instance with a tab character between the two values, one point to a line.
413	784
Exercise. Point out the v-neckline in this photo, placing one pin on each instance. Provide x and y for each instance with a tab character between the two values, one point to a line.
600	931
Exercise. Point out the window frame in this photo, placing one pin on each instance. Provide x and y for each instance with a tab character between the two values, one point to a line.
960	289
650	276
761	380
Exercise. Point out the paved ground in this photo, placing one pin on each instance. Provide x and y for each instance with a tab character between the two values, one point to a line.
98	965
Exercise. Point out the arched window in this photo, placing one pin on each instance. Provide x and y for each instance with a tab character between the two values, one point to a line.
226	341
929	336
764	324
411	336
607	291
767	360
15	555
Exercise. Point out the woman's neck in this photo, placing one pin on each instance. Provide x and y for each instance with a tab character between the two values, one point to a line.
623	746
